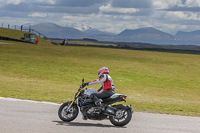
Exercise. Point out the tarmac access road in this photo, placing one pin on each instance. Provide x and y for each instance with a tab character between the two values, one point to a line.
23	116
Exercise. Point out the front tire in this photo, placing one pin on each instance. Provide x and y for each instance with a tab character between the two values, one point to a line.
66	114
122	116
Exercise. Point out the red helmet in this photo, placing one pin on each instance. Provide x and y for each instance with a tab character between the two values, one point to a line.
103	70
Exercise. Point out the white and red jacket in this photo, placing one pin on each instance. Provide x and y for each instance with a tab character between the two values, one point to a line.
107	82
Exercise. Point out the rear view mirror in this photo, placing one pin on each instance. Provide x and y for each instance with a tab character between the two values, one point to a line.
83	80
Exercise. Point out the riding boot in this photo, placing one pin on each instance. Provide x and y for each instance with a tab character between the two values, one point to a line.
97	102
84	117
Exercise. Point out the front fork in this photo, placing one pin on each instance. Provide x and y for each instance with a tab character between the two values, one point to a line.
73	101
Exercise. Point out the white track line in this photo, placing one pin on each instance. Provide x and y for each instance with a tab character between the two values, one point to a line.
20	100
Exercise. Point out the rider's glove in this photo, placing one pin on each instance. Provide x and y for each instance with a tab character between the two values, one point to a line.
84	84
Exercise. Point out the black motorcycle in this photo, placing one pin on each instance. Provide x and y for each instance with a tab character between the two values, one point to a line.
119	115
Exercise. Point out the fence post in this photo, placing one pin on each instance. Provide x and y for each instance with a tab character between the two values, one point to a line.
29	28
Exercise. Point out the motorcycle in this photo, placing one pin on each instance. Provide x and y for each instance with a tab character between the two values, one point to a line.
119	115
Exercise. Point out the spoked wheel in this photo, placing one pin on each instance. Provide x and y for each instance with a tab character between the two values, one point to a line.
122	116
68	114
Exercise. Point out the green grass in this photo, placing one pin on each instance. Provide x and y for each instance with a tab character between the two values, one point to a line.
15	34
153	81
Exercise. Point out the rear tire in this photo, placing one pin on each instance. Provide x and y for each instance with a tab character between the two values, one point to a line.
68	115
122	116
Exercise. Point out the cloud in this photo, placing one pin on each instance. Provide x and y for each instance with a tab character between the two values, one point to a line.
22	7
184	9
15	2
79	3
36	14
40	8
132	3
178	5
41	2
109	15
74	10
178	16
192	3
109	9
165	4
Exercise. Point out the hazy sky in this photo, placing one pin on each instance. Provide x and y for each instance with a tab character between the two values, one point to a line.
108	15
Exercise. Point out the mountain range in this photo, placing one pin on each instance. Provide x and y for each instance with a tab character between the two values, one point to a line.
144	35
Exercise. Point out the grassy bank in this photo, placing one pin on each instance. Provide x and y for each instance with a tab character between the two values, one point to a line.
154	81
16	34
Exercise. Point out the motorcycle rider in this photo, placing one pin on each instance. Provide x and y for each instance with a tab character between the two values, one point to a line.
107	89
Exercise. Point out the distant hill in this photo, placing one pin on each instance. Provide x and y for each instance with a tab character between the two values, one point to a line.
190	36
55	31
148	30
143	35
148	34
95	32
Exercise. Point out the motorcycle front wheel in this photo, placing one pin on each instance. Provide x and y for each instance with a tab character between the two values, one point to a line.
122	116
68	114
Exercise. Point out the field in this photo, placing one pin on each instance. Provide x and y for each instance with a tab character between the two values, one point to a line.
157	82
153	81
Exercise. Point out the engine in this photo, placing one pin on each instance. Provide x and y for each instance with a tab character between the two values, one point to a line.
93	112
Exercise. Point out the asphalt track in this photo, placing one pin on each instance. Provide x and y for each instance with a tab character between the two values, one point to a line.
21	116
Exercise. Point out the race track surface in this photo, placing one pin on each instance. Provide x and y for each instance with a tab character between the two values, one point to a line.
19	116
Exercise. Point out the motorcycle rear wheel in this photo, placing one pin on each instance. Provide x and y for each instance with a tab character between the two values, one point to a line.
122	116
66	114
